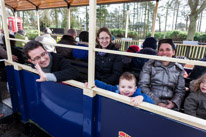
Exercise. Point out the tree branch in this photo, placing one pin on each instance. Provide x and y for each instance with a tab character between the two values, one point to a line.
203	6
190	4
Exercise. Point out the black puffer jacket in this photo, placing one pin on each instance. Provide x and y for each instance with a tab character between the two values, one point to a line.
108	67
62	69
66	52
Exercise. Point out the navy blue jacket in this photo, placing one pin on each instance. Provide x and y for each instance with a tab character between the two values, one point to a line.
115	89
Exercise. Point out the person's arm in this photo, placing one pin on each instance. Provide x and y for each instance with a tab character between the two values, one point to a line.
3	54
179	90
145	97
191	104
64	70
103	85
117	70
145	80
44	76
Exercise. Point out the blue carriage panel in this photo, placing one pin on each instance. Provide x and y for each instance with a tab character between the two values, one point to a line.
55	107
13	88
89	113
117	117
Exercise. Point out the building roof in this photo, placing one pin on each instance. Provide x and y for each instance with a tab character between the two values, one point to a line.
20	5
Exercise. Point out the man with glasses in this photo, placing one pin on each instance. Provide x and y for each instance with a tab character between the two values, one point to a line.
50	66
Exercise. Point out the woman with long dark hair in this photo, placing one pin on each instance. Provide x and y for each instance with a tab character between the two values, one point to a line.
108	66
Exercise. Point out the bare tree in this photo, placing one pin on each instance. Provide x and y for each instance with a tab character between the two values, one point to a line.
194	15
168	5
178	6
185	13
200	22
159	19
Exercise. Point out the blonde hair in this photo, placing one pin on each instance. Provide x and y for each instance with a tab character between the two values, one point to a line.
128	76
195	84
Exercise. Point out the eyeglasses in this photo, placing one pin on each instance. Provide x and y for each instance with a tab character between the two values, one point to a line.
37	58
106	38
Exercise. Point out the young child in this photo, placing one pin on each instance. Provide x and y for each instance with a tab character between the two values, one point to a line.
127	87
195	103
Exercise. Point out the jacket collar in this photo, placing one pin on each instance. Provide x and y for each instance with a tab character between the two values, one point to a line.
159	64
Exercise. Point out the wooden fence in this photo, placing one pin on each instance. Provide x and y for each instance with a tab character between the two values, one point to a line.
193	52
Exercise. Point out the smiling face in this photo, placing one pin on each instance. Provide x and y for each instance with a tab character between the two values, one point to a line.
104	39
127	87
40	56
166	50
203	86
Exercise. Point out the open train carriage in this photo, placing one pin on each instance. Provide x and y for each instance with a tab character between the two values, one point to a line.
70	109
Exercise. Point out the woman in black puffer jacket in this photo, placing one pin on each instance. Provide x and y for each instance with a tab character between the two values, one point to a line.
108	67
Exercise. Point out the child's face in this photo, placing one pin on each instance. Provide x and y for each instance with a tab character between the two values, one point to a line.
126	87
203	86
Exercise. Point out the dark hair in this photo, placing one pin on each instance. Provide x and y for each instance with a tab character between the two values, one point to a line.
195	84
103	29
12	42
31	45
128	76
84	36
150	42
169	41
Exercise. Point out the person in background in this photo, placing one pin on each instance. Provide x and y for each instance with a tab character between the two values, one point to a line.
195	103
21	34
78	53
127	87
163	81
127	60
17	55
15	51
149	48
198	70
1	36
50	66
68	39
108	67
46	37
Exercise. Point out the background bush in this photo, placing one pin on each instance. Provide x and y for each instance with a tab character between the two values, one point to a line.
31	34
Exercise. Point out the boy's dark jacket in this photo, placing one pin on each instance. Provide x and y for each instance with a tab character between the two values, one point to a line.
115	89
